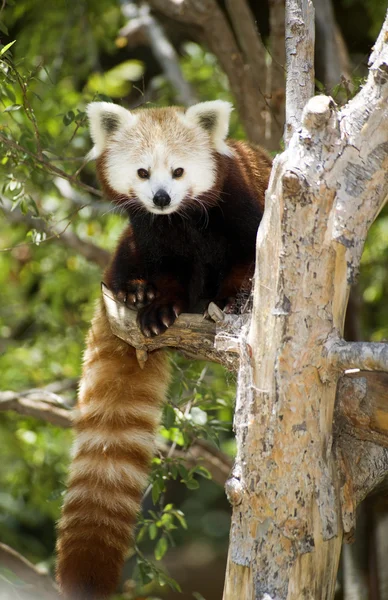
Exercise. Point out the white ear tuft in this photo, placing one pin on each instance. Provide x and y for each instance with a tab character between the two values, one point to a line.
214	117
105	118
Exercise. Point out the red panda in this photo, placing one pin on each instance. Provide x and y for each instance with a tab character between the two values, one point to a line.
195	202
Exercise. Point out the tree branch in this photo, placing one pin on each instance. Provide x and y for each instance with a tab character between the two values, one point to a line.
163	50
42	404
366	356
300	36
208	16
66	237
37	404
41	582
332	58
191	333
277	73
46	164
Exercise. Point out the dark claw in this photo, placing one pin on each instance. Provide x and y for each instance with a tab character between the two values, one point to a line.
157	317
138	294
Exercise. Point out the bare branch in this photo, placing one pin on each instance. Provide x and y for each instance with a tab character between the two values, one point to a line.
163	50
332	58
43	404
300	61
35	403
66	237
366	356
362	407
208	16
191	333
276	79
39	582
200	452
363	158
49	167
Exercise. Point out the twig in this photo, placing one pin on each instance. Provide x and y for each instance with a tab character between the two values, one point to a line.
50	167
23	404
212	21
163	50
41	582
65	237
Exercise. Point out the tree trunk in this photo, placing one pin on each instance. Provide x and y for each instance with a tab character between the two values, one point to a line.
293	491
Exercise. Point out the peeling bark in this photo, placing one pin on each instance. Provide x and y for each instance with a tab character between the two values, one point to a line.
293	494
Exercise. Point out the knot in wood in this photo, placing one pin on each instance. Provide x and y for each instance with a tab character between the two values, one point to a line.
292	185
234	491
381	74
317	112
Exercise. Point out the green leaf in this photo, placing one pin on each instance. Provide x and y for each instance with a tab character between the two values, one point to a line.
181	518
192	484
153	531
141	534
4	29
161	548
157	489
7	47
68	118
13	107
202	471
10	94
169	416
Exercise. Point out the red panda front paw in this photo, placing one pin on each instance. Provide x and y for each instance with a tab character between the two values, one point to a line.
158	316
138	293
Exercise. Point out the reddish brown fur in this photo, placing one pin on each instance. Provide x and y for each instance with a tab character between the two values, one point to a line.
100	512
119	403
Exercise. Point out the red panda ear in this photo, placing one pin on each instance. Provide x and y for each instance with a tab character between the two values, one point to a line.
105	119
214	117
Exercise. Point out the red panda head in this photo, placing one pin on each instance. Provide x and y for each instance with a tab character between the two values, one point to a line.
159	158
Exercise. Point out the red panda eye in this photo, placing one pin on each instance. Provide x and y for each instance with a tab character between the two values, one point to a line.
143	174
177	173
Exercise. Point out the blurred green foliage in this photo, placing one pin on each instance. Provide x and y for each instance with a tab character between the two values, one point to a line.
63	57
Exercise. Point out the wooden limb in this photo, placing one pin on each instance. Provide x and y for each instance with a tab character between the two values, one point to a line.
362	159
191	333
42	404
366	356
289	487
65	237
300	36
362	407
276	77
34	403
212	21
163	50
39	583
331	57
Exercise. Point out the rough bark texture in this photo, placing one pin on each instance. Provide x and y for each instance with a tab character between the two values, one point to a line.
300	35
292	494
194	335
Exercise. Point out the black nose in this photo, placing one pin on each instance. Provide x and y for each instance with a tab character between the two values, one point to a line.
162	199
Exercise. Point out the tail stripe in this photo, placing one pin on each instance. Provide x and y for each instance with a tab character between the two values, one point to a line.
119	411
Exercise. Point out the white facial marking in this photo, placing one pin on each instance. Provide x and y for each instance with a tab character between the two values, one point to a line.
160	141
124	161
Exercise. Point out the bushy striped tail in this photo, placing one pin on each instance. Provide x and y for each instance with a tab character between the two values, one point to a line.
118	414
